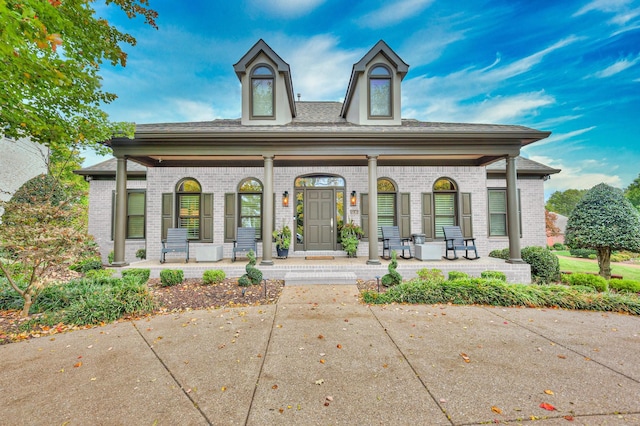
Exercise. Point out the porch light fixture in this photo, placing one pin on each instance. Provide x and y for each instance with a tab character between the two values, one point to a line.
353	198
285	199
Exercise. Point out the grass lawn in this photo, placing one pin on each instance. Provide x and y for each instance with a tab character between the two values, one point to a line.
579	265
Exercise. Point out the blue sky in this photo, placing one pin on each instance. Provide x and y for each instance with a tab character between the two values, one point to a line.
571	67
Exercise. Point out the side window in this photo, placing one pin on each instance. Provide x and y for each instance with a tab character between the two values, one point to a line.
498	213
445	208
250	205
380	92
188	207
387	195
136	214
262	92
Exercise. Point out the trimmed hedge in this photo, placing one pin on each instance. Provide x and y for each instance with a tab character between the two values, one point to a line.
456	275
545	266
169	277
624	286
213	276
142	274
495	275
589	280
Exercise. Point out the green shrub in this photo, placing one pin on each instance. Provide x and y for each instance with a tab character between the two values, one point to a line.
620	257
169	277
253	275
86	265
111	257
499	293
545	267
593	256
624	286
213	276
495	275
393	277
141	254
589	280
584	253
141	274
500	254
430	274
99	273
455	275
558	246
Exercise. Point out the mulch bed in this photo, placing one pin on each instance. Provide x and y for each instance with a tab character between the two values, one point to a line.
190	294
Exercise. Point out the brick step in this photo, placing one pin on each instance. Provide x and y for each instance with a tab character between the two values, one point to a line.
311	277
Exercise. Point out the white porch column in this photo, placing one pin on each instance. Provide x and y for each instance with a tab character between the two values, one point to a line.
513	224
267	211
120	226
373	211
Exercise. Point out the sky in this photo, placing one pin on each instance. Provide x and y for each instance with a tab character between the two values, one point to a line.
571	67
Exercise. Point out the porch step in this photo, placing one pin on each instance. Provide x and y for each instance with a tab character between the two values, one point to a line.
311	277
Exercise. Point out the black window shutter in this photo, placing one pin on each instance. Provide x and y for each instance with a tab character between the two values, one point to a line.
167	213
364	216
229	217
206	231
404	215
427	215
467	227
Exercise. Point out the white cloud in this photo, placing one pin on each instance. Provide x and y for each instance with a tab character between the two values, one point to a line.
608	6
504	109
285	8
428	44
617	67
190	110
393	13
314	79
578	175
558	137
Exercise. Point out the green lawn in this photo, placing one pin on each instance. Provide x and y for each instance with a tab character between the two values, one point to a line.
576	265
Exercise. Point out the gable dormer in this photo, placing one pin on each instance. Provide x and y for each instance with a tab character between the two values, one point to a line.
374	92
267	90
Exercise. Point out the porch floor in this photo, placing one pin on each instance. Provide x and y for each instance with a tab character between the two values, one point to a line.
516	273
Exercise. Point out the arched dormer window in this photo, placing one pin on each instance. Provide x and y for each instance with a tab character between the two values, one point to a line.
262	92
445	195
250	205
380	93
188	193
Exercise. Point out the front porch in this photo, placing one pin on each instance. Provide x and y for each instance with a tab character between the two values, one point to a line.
328	264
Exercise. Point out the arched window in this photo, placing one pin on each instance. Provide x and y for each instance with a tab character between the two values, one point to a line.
445	195
380	92
188	204
250	205
387	196
262	92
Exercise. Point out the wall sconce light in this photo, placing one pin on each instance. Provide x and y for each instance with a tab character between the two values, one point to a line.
285	199
353	198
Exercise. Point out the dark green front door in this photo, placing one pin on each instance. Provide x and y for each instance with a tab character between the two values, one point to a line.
320	211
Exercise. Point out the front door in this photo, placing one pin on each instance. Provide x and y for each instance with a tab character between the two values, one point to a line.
319	230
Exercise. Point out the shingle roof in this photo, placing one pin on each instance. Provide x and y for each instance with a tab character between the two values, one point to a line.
325	116
523	165
108	167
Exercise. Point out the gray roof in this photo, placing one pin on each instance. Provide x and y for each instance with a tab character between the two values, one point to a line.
108	168
325	116
523	165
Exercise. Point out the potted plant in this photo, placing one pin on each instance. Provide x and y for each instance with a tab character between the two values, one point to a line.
350	235
282	238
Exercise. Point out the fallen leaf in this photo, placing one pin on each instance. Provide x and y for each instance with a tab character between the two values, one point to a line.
547	407
320	336
465	357
224	388
322	361
548	392
326	403
274	387
568	418
77	364
93	379
562	356
496	410
319	381
281	410
329	398
339	346
384	365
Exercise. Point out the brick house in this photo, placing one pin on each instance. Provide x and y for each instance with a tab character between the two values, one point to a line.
322	164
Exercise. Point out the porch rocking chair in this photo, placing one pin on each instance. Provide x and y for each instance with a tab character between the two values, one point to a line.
176	242
245	241
455	241
391	241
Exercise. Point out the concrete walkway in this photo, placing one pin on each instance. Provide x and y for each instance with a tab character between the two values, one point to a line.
319	357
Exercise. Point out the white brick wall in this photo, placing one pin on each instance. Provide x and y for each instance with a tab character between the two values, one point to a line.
414	180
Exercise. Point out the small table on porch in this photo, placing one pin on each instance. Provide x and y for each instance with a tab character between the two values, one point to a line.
209	253
428	251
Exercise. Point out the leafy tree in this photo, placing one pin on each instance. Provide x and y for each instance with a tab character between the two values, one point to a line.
563	202
50	54
604	220
550	223
632	192
39	236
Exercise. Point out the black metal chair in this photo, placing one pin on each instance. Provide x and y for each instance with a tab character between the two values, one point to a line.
455	241
391	241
